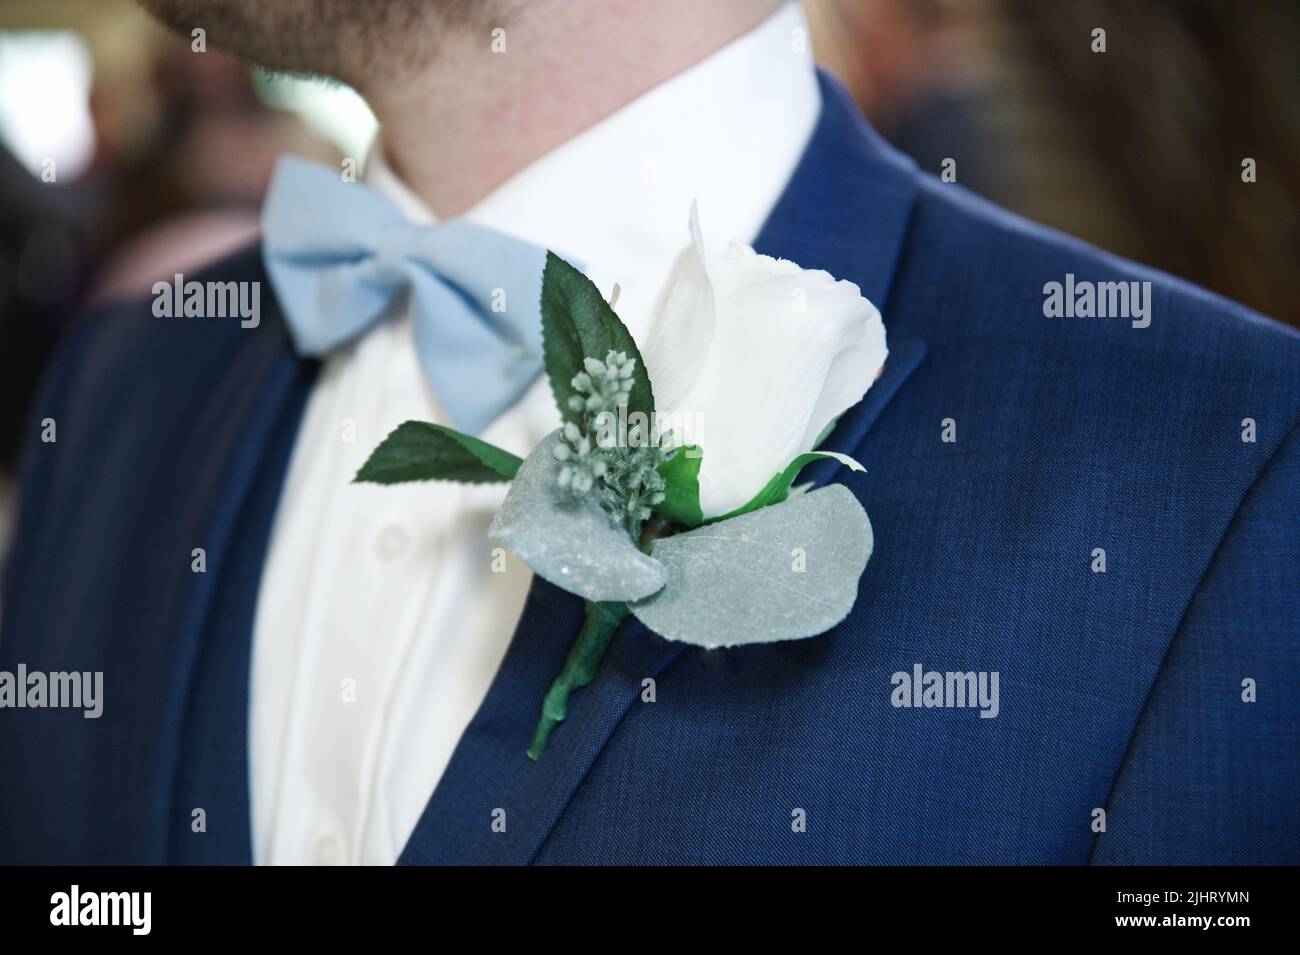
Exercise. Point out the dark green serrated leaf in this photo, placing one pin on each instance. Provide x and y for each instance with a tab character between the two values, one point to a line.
422	451
681	474
578	323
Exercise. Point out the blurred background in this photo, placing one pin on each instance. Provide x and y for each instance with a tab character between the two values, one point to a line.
123	156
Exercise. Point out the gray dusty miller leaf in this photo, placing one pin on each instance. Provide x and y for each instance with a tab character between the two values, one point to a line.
739	581
569	540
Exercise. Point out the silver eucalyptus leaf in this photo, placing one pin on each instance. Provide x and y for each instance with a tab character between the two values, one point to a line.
783	572
569	539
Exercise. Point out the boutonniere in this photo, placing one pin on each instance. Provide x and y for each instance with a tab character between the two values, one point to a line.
668	493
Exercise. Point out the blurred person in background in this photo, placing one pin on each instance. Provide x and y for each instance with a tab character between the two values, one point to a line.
42	274
1104	145
920	71
1101	508
191	192
183	149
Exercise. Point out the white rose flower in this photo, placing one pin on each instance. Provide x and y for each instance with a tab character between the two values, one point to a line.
758	357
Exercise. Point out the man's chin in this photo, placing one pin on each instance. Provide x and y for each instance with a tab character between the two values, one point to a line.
294	36
349	40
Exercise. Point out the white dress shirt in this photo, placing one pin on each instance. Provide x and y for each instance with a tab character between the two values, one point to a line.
384	613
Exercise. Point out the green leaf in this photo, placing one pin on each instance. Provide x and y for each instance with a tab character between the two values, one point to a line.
578	323
598	628
681	474
778	489
421	451
785	572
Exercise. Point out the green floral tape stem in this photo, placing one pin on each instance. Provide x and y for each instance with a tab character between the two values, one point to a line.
598	628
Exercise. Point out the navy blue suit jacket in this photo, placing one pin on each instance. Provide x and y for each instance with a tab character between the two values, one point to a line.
1120	690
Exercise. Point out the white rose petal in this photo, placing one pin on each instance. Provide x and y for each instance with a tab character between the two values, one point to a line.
761	356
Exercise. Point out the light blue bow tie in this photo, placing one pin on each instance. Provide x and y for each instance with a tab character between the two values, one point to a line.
338	254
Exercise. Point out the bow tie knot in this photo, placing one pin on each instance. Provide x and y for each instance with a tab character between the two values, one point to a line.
390	255
338	255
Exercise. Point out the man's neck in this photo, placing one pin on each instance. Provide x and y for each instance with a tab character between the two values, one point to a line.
477	114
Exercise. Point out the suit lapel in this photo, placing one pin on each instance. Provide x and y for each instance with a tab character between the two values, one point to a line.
845	211
490	779
215	769
848	203
211	473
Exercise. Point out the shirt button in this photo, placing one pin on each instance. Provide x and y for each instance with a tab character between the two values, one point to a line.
392	542
328	850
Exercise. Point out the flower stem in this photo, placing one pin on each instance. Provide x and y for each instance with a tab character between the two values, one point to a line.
598	627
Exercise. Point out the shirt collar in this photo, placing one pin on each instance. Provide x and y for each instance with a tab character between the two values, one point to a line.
614	199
